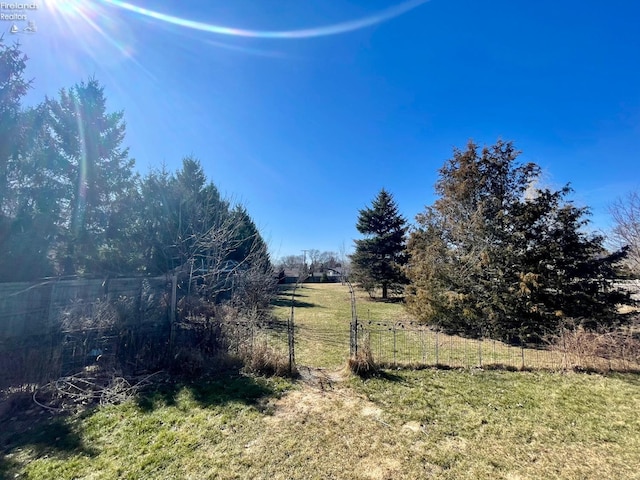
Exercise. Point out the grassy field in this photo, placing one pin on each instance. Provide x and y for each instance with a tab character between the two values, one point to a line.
444	424
322	315
323	311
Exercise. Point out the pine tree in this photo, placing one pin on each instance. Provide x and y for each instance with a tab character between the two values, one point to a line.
378	258
35	203
248	245
13	87
180	214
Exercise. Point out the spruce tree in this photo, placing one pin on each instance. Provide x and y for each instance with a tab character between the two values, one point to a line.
378	258
99	177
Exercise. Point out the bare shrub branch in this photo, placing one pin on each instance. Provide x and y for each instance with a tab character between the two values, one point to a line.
626	232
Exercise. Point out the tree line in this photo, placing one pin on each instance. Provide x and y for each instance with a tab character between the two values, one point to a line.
495	255
71	202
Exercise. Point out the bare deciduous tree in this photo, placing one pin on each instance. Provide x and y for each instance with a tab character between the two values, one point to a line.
291	261
626	231
345	262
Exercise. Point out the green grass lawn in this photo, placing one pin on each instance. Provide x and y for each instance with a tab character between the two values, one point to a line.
322	316
444	424
407	424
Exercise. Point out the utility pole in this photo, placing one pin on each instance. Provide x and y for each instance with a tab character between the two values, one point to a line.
303	270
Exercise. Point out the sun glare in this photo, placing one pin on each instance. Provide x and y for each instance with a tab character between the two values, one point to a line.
107	30
89	26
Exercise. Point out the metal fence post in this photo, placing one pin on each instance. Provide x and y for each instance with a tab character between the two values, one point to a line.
355	336
172	319
466	355
291	339
290	334
394	344
564	350
353	330
450	350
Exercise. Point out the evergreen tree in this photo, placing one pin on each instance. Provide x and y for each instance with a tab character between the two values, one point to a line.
181	212
378	257
70	202
248	244
35	203
30	193
13	87
99	173
496	256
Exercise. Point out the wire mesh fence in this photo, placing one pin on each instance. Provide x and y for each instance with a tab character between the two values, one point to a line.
136	325
402	344
245	335
52	328
56	328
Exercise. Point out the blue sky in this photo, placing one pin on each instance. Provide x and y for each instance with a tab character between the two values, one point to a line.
306	129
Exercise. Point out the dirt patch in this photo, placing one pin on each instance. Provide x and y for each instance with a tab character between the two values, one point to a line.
370	410
320	392
412	427
300	403
320	377
377	468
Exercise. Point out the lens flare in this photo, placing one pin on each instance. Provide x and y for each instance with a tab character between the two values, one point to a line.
82	168
82	20
80	29
321	31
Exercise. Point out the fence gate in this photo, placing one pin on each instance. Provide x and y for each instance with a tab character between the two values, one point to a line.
316	343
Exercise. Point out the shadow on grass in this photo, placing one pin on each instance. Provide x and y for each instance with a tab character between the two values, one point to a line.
382	374
390	377
632	378
286	302
288	290
386	300
211	392
8	468
43	435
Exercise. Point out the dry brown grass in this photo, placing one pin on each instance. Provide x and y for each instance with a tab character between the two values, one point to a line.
362	363
264	359
599	351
